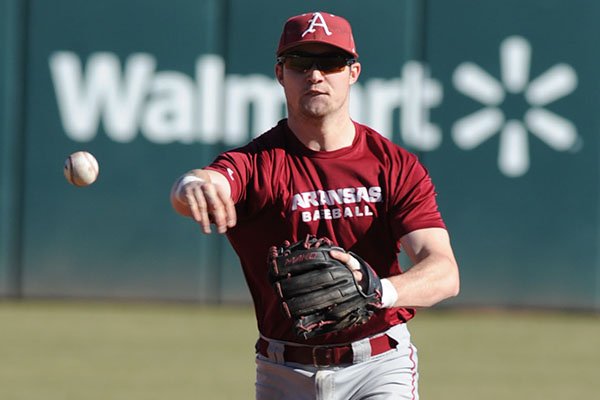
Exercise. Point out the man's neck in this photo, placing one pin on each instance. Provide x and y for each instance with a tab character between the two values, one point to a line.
323	134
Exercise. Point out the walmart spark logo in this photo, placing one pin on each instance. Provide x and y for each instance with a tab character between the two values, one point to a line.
557	132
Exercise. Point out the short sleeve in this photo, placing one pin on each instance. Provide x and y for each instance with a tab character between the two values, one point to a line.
237	166
250	171
414	206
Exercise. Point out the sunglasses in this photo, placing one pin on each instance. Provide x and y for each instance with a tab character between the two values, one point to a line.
326	63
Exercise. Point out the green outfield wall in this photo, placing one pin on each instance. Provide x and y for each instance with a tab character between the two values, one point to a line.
498	99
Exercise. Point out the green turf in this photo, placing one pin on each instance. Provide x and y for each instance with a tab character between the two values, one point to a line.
88	351
508	355
130	352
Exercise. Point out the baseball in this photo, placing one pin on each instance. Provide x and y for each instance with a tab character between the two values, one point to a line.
81	168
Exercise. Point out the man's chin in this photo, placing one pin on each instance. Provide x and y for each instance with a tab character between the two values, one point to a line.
316	110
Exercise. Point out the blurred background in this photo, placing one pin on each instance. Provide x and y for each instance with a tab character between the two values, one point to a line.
497	98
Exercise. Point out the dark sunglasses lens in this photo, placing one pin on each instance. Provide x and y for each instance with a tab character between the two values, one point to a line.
332	64
300	64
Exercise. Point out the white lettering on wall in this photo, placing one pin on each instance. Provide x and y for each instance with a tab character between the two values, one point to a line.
102	91
170	106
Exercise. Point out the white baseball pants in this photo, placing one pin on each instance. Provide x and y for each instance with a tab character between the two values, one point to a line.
391	375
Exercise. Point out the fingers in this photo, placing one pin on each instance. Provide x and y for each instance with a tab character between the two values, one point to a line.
229	207
220	207
346	258
209	205
194	196
351	262
340	256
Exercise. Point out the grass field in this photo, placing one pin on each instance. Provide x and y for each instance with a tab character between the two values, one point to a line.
89	351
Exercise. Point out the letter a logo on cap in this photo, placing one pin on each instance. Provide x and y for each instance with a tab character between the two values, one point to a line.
317	20
311	27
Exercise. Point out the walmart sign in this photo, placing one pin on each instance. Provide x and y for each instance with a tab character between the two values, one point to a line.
132	97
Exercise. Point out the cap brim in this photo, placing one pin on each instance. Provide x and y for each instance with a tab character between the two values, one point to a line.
295	45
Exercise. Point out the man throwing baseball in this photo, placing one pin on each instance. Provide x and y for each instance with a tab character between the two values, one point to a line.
318	209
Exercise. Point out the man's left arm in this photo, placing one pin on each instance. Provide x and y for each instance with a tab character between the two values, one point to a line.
434	275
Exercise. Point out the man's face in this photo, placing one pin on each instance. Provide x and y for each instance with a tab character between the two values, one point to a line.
316	93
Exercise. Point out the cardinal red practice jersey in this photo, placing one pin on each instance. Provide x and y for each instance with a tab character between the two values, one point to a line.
364	197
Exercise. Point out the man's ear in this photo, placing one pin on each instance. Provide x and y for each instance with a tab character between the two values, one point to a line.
354	72
279	73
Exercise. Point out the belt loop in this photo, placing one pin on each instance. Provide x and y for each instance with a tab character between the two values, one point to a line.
275	352
361	350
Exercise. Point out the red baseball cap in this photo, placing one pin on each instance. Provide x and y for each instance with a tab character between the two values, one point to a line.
317	27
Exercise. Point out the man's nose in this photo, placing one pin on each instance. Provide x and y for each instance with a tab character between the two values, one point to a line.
314	74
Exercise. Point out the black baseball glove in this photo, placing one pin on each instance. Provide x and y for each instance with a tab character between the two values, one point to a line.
318	292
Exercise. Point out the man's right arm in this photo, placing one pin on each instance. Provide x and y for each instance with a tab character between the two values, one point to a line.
205	196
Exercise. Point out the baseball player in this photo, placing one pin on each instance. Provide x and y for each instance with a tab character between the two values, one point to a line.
319	173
